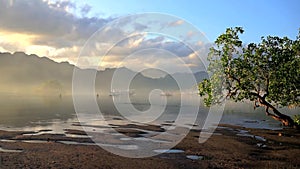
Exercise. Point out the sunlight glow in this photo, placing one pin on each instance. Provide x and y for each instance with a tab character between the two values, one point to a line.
20	39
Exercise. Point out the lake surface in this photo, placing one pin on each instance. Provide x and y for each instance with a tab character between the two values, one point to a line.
34	113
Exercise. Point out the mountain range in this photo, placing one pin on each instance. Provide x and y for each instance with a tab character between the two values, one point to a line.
22	73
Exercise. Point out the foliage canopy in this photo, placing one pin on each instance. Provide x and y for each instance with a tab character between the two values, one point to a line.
267	73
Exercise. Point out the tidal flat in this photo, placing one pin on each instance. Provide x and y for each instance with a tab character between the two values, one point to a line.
229	147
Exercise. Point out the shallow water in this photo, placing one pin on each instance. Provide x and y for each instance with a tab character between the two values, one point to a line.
53	115
35	113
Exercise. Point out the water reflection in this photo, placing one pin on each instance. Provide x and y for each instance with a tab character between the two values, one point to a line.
19	111
57	113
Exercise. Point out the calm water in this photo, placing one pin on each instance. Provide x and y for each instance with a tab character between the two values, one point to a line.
21	112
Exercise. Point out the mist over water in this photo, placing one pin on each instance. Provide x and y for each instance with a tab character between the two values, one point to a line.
39	112
38	93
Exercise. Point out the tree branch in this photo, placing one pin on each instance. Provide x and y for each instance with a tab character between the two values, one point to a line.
286	120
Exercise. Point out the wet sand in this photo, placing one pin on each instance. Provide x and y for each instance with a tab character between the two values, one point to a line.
229	147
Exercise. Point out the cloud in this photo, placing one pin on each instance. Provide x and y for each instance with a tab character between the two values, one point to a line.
51	28
137	43
85	9
176	23
36	17
51	22
2	50
151	51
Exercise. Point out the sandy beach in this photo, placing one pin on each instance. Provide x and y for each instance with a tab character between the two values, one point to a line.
229	147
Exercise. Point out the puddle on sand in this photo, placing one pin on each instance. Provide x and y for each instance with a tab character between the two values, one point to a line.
34	141
10	151
152	140
217	134
126	139
259	138
76	143
123	147
261	145
223	127
8	141
245	133
41	132
144	139
195	157
77	136
171	151
24	141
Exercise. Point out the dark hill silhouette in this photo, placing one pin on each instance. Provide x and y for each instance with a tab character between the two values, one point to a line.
22	73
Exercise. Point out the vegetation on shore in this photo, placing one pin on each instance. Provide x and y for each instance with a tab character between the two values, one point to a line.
267	73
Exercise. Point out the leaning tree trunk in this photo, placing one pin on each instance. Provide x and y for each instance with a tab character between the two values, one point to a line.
284	119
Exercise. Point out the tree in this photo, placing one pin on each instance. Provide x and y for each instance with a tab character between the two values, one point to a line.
266	73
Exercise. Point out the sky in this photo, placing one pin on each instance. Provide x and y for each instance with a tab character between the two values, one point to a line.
258	18
59	29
